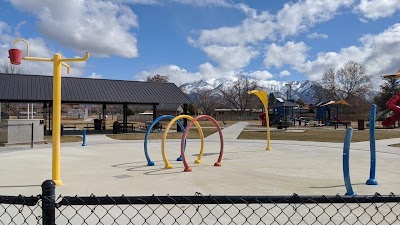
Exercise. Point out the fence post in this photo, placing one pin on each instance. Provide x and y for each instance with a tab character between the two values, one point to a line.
48	202
32	135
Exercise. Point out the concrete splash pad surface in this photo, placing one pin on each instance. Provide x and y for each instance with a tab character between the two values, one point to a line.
119	167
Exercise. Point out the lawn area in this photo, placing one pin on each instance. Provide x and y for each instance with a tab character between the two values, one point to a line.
321	135
318	134
193	134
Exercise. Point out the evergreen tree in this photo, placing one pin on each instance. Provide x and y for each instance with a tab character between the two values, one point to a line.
388	88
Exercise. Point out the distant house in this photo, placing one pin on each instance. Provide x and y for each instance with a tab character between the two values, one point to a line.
146	112
235	114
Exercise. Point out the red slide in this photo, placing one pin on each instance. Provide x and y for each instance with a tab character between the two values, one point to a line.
392	104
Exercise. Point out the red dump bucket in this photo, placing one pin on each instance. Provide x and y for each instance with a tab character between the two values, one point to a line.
15	56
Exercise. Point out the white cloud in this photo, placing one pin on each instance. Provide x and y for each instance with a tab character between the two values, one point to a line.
284	73
256	29
101	27
143	2
260	75
204	2
38	48
291	53
379	53
95	76
316	35
175	74
300	16
250	12
179	76
251	30
376	9
231	57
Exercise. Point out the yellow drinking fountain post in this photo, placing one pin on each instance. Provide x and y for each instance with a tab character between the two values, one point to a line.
262	95
15	57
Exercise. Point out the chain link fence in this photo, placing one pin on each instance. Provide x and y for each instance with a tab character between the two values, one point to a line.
46	209
16	137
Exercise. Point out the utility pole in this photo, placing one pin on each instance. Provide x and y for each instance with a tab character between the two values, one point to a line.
289	91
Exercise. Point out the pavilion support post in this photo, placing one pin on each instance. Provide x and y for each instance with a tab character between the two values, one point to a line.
154	112
44	114
185	112
50	109
104	116
124	117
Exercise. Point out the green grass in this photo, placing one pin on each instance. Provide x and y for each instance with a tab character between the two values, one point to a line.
193	134
320	135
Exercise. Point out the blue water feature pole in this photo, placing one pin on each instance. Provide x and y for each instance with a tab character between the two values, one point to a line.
346	162
84	138
372	146
146	138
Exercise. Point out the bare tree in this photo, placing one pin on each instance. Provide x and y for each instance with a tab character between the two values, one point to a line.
206	99
350	81
158	78
7	67
236	96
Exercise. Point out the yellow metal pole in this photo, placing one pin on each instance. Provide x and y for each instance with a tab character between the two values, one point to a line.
56	119
57	63
262	95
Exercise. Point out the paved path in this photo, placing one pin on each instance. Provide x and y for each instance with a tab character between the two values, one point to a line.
229	133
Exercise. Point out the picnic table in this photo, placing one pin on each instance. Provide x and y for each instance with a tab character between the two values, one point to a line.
156	127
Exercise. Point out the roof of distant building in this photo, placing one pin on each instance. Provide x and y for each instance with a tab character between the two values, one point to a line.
35	88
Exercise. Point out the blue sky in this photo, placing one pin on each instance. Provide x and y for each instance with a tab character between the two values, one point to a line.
189	40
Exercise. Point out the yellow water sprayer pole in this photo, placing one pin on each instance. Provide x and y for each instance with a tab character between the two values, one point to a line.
262	95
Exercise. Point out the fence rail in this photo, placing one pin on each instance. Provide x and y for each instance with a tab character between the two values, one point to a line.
46	209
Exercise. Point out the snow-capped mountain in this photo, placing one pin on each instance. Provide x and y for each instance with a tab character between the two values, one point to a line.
295	89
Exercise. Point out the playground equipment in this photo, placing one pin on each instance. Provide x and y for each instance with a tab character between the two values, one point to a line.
149	129
372	146
167	164
263	119
346	162
262	95
16	58
346	154
183	141
393	103
84	138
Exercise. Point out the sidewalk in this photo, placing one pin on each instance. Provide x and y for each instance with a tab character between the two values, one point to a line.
229	133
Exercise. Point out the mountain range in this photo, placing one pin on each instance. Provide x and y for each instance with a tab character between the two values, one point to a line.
281	89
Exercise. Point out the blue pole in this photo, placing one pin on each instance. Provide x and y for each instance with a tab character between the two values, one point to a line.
84	138
372	147
346	162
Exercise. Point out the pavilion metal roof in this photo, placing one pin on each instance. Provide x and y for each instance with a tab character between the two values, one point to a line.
36	88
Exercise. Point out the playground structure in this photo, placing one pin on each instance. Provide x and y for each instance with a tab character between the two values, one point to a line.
57	60
392	103
346	155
